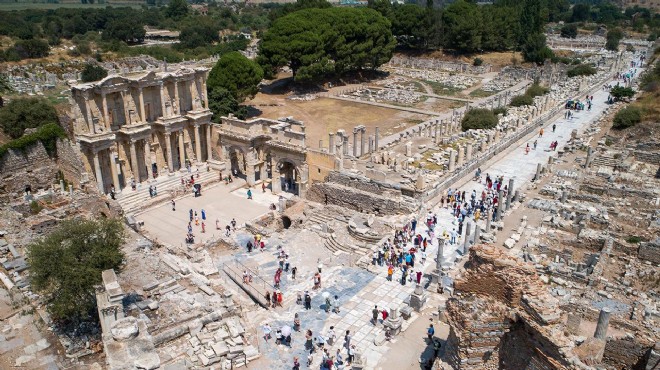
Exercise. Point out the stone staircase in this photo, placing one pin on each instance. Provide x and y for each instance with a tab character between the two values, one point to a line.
320	218
602	160
168	187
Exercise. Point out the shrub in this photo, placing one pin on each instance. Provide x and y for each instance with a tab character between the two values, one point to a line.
47	134
569	31
581	70
477	62
479	119
35	207
627	117
520	100
633	239
500	110
620	92
536	90
93	72
22	113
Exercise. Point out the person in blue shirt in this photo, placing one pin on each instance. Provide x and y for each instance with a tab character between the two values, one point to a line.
430	332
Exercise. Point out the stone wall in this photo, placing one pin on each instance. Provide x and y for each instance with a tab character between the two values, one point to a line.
361	194
625	353
320	165
650	251
33	166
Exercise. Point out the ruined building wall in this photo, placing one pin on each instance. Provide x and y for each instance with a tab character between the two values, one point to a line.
33	166
19	168
625	353
361	194
320	165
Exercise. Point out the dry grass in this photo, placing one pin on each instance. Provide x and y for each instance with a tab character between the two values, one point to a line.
325	115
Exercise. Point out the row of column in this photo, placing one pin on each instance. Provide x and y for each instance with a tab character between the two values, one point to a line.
182	152
176	108
358	150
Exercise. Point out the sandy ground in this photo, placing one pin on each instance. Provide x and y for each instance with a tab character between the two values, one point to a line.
323	115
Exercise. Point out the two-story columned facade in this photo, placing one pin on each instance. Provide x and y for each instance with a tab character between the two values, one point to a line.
136	126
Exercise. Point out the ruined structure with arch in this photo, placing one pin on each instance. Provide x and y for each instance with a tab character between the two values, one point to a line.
265	150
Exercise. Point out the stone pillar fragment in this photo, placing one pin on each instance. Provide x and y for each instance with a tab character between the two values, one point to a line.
499	205
376	137
509	194
168	149
134	162
198	144
452	160
603	322
182	149
355	151
97	170
331	143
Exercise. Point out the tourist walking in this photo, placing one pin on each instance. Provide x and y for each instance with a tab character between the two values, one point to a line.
374	315
430	332
173	205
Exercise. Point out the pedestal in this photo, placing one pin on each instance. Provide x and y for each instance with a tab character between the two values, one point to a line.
418	298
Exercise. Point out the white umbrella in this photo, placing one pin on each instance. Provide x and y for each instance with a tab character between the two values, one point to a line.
286	330
325	294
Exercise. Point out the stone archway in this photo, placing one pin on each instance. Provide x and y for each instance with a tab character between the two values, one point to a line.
286	177
238	161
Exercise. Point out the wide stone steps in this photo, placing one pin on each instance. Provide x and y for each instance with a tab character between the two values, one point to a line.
320	218
335	245
139	200
606	161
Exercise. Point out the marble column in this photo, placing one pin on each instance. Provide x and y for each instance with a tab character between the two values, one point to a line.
461	154
500	201
124	103
209	147
147	159
466	242
206	95
176	106
489	216
168	149
99	174
88	115
182	149
113	170
376	136
134	162
345	145
355	152
468	155
362	143
163	112
198	144
452	160
104	104
603	322
509	194
142	113
331	143
477	233
538	172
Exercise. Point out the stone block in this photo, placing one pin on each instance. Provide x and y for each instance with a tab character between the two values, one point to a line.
220	349
509	243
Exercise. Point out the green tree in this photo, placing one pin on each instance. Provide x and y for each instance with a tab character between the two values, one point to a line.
407	21
462	29
124	29
521	100
66	265
177	9
627	117
23	113
580	13
34	48
201	32
479	118
535	50
581	70
5	87
236	74
620	92
530	21
613	38
222	102
499	27
93	72
569	31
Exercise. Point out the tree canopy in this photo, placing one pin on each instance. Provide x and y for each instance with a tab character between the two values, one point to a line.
22	113
318	42
479	118
462	26
236	74
93	72
66	265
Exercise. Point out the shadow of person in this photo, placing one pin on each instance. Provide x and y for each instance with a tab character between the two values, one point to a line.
433	350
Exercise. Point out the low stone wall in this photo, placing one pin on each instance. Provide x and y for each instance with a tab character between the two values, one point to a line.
650	251
33	166
625	353
361	194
